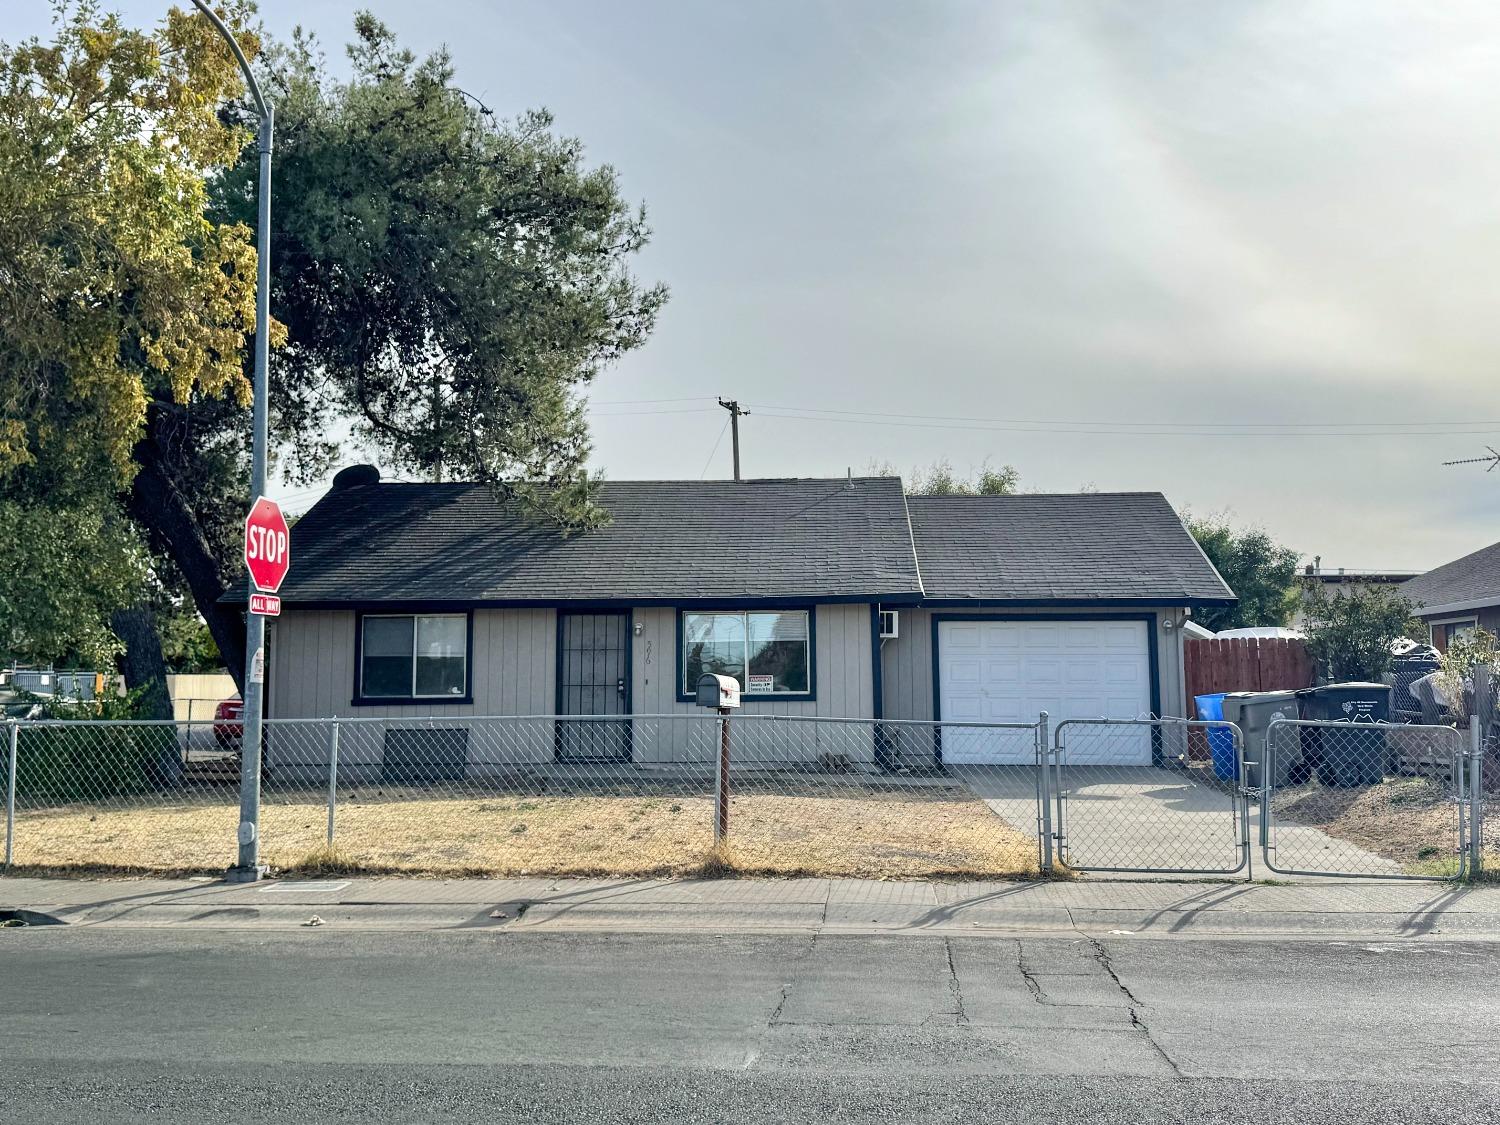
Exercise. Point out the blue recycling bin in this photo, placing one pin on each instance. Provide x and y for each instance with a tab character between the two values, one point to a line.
1220	739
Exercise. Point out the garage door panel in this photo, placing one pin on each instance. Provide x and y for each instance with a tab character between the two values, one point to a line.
1010	671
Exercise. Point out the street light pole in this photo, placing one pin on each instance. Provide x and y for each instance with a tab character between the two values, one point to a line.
249	868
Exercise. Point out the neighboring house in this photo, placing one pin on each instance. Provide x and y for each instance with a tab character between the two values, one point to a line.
418	600
1459	596
1332	583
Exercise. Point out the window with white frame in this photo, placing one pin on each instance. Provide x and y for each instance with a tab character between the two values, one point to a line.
414	656
768	652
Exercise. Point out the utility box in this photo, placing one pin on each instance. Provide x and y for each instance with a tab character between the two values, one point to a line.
718	692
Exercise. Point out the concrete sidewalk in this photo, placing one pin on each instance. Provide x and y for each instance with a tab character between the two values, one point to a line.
1366	910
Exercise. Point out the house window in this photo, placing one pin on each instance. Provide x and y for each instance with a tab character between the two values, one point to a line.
414	656
769	653
1444	633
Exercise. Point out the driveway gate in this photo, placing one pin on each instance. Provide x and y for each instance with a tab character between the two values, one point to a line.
1372	800
1129	798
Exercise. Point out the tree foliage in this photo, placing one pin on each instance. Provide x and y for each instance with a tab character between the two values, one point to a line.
941	479
447	281
1261	572
115	286
450	280
1349	633
66	570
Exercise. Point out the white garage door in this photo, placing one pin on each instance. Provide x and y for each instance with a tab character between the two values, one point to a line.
1010	671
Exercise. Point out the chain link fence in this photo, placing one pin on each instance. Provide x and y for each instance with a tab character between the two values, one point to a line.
552	795
538	795
1131	798
1366	799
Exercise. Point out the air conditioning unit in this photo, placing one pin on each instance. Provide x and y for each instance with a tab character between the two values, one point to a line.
890	624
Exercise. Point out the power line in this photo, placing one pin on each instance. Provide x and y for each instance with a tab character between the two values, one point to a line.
967	418
714	450
1141	430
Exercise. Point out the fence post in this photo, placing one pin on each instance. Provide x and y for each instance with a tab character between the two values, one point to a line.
333	775
721	782
1476	798
1044	789
10	794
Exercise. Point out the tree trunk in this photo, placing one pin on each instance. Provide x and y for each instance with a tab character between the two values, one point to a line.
157	503
143	664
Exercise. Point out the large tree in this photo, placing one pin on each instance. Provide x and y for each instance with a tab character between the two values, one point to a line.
117	291
448	281
1260	571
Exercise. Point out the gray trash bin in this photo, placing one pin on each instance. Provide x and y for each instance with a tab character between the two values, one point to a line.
1253	712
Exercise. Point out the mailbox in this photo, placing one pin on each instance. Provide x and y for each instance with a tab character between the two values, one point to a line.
718	691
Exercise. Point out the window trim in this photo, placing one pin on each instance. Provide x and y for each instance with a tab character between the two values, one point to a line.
360	699
808	696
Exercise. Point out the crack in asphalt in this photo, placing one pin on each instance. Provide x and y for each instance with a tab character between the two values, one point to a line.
786	986
1101	955
1032	984
953	983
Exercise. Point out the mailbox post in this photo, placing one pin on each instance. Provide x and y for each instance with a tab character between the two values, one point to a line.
722	694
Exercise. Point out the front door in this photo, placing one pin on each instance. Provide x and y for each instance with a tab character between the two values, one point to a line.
593	680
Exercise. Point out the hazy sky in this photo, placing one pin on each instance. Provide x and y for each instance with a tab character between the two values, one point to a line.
1078	238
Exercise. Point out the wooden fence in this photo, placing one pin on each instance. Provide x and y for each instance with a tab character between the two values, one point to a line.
1215	664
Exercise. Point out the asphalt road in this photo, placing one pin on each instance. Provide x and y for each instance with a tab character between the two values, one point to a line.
114	1024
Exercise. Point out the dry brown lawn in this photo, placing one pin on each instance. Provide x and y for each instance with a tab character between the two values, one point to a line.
932	831
1409	820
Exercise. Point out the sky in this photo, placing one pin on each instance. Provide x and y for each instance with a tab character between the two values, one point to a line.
1245	254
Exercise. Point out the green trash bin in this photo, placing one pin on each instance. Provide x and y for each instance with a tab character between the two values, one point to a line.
1349	758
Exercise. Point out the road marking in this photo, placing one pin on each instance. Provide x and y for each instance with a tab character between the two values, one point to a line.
311	888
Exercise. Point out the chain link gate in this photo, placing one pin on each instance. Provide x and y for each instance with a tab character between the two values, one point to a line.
1129	798
1365	800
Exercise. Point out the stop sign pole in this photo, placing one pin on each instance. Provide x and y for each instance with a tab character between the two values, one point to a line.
267	560
249	867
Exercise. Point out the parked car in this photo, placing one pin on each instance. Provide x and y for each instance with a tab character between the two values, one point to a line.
229	727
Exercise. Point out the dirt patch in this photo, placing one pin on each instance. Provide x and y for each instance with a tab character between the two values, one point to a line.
904	833
1409	820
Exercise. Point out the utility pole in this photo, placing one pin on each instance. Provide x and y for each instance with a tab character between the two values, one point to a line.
733	406
249	867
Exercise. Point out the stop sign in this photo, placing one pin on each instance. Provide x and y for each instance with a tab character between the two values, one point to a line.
267	545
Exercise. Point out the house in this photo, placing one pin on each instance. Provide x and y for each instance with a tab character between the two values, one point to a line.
1317	580
1459	596
837	598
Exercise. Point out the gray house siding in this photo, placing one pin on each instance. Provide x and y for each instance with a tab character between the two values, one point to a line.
843	688
906	661
514	673
514	667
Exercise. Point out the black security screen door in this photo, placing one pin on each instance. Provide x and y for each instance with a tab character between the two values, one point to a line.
594	679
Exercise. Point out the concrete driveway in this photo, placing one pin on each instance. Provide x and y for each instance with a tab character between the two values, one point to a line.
1144	817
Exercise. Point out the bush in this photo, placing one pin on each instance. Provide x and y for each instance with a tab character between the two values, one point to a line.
1349	633
90	758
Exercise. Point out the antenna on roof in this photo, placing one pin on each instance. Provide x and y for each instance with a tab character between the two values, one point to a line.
1493	459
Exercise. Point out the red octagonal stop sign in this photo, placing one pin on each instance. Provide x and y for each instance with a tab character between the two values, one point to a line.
267	545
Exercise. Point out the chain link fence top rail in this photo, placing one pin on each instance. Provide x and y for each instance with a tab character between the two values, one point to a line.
536	795
1134	800
1365	799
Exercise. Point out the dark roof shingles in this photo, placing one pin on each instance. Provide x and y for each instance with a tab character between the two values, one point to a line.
1060	547
1473	578
666	539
